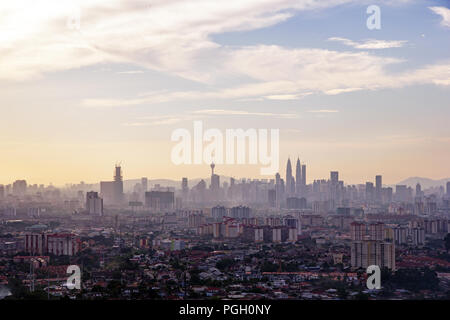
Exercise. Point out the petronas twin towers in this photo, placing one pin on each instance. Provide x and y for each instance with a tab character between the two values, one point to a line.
295	186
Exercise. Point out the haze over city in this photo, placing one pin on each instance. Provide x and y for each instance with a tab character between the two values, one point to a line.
224	156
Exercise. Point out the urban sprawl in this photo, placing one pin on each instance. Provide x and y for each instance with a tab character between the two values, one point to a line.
225	238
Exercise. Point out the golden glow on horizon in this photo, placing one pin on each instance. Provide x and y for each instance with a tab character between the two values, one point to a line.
71	163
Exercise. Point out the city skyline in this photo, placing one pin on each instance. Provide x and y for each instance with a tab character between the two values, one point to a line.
289	177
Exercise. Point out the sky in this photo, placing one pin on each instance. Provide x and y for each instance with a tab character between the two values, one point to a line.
87	84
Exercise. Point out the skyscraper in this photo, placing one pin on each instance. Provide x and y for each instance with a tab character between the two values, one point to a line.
19	188
144	183
277	178
94	204
159	201
112	191
448	188
289	178
184	184
144	188
369	192
334	177
303	177
357	231
184	188
215	179
278	189
240	212
372	245
378	187
272	196
298	177
419	190
118	185
369	252
401	193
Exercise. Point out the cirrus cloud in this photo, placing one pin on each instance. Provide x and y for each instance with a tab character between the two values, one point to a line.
444	13
370	43
175	37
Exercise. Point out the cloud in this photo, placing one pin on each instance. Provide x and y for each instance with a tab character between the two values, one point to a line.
324	111
159	120
245	113
280	73
338	91
444	13
147	35
131	72
370	43
202	113
287	96
284	73
128	31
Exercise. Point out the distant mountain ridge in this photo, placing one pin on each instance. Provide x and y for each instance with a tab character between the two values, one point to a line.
424	182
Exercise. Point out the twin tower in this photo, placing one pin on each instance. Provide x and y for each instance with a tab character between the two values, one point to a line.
295	186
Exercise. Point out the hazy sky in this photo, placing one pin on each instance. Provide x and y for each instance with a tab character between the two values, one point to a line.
74	101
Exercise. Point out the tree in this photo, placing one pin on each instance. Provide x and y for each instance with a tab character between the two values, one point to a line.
416	280
342	293
114	288
447	242
19	291
361	296
225	264
269	267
